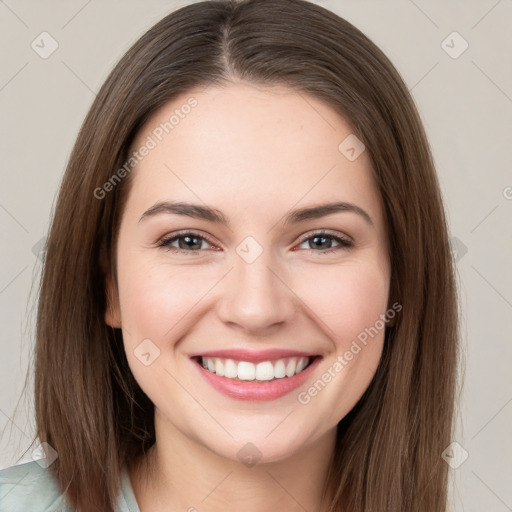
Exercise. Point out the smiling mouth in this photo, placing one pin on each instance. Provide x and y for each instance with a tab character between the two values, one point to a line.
264	371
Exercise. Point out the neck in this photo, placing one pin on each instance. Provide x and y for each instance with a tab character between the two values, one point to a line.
179	473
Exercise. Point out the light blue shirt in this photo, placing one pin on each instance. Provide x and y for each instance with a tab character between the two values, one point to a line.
30	487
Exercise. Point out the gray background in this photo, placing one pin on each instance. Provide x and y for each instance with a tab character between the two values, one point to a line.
465	103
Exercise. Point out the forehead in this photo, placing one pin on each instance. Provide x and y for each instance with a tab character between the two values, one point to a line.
246	145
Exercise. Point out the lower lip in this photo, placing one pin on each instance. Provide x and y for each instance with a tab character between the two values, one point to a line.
264	391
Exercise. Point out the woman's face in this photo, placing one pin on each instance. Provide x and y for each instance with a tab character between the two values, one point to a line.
253	285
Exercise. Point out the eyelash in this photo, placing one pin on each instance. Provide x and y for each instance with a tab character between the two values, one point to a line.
344	243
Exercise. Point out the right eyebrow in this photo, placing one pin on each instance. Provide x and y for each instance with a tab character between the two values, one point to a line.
188	209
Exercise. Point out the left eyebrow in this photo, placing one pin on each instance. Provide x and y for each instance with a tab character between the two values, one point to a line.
213	215
316	212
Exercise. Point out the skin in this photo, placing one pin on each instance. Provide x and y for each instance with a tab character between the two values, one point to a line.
253	153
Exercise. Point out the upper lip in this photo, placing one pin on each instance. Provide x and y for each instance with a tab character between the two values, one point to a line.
253	356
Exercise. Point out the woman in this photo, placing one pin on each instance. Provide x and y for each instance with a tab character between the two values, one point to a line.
248	294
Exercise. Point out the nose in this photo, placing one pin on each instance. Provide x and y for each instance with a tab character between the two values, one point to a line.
256	298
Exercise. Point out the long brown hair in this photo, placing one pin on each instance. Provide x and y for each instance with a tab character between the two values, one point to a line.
89	407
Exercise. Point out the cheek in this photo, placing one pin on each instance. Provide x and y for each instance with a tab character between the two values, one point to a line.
347	299
154	298
349	302
157	304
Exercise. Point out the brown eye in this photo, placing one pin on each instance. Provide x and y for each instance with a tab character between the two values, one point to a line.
188	242
324	242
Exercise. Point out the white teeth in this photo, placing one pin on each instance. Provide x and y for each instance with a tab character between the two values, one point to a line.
246	371
302	364
279	369
219	367
230	369
290	367
264	371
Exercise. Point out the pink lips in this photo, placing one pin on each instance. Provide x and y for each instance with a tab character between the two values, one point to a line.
250	390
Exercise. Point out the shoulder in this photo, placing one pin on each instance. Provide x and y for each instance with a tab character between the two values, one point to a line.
31	487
